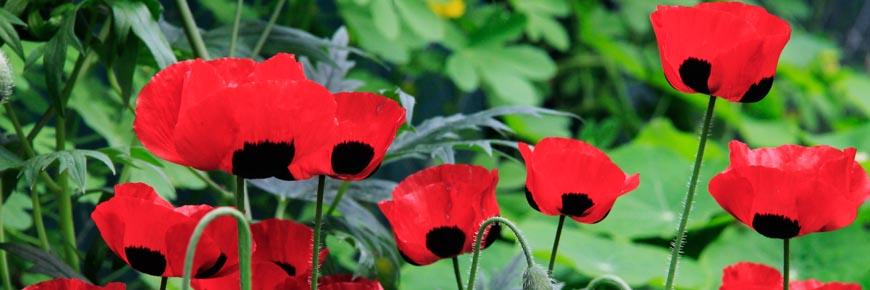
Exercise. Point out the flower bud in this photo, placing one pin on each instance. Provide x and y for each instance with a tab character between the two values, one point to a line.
536	278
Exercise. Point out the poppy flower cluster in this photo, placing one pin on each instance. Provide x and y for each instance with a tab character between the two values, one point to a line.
260	120
752	276
723	49
151	235
791	190
437	212
572	178
73	284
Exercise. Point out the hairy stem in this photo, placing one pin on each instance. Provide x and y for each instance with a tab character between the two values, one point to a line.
244	246
242	197
527	251
318	219
608	280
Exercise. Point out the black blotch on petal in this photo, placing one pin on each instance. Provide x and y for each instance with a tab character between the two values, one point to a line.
351	157
145	260
531	199
407	259
775	226
289	269
576	204
493	235
695	73
445	242
757	91
221	261
264	159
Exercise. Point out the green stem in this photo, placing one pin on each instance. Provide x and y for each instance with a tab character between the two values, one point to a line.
282	207
37	221
4	264
234	37
18	131
244	246
608	280
210	183
527	251
242	197
690	196
457	274
191	30
338	196
785	266
64	201
268	29
163	282
43	120
556	245
318	216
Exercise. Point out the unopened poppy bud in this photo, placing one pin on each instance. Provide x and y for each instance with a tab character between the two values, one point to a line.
6	80
536	278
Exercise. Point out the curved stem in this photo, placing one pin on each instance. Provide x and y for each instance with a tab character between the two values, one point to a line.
608	280
191	30
318	219
338	196
268	29
556	245
242	197
235	36
209	182
785	260
244	246
527	251
457	274
690	196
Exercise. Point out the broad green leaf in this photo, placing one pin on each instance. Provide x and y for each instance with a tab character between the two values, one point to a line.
461	71
548	7
73	162
551	31
420	19
492	261
56	54
9	159
534	129
15	212
225	10
43	262
510	88
103	111
661	133
385	18
768	133
856	87
8	33
146	28
125	67
500	27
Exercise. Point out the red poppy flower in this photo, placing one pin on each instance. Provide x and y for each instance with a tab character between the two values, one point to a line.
151	235
725	49
347	282
367	125
790	190
254	120
436	213
72	284
570	177
283	254
752	276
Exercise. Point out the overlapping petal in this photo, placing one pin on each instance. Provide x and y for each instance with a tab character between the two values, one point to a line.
73	284
753	276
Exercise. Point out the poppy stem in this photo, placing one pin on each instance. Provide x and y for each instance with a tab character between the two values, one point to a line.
457	273
235	36
191	30
785	268
37	220
4	264
268	29
609	280
527	251
244	246
680	239
281	207
64	201
338	196
163	282
318	217
242	197
555	245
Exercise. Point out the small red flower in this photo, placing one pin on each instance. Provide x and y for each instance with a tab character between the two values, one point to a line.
367	125
752	276
790	190
436	213
72	284
347	282
282	257
151	235
570	177
254	120
725	49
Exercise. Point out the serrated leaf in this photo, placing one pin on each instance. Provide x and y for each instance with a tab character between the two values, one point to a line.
9	159
408	102
43	262
420	19
499	28
281	39
333	74
145	27
55	56
73	162
8	33
507	278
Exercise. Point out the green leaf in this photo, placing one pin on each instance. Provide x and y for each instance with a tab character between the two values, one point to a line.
460	69
492	260
9	159
768	133
55	56
385	18
8	33
125	67
420	19
500	27
43	262
145	27
15	212
856	87
73	162
549	30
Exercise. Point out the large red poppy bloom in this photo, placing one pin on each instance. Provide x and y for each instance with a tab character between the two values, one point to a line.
151	235
436	213
725	49
73	284
254	120
282	255
752	276
570	177
790	190
367	125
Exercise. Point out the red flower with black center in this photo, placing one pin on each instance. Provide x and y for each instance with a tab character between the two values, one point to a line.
436	213
254	120
570	177
752	276
283	254
73	284
367	125
151	235
348	282
724	49
791	190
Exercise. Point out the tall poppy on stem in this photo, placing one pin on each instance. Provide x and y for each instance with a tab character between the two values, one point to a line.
568	177
73	284
753	276
722	49
435	213
789	191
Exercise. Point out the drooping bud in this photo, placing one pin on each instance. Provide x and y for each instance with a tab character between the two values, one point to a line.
6	80
536	278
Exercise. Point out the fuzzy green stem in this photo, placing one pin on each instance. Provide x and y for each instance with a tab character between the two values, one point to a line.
64	201
210	183
338	196
457	274
18	131
677	247
785	261
281	207
37	221
191	30
235	36
608	280
244	246
318	219
268	29
242	197
163	282
527	251
556	245
4	264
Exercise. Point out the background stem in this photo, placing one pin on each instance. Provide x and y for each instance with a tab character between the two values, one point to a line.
268	28
457	274
4	264
556	245
235	36
64	202
241	194
191	30
318	217
785	261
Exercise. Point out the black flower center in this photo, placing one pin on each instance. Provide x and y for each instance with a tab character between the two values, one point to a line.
576	204
145	260
757	91
351	157
775	226
264	159
289	269
210	271
445	242
695	73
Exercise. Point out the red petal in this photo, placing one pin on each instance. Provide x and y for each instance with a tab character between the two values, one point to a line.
285	242
817	285
157	110
367	120
750	276
281	67
233	71
72	284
